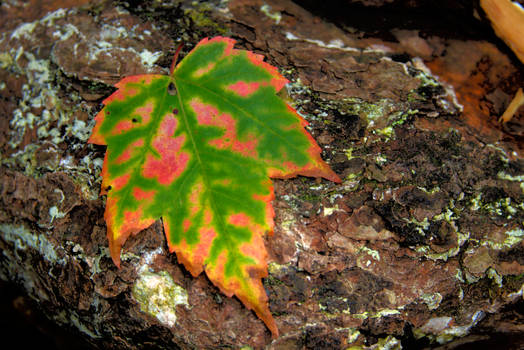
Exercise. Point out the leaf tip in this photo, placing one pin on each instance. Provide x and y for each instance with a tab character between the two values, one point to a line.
114	247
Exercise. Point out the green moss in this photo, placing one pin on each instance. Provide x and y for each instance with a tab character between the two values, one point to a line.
200	16
274	268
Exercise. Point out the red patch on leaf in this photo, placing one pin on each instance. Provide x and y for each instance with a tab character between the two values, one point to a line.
172	160
194	199
122	126
141	195
209	115
239	219
128	152
119	182
269	210
244	89
204	70
186	224
193	257
277	80
145	112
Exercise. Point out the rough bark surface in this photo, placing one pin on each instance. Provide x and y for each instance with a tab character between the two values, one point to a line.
420	246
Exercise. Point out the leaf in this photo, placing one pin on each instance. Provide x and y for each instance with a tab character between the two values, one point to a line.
197	148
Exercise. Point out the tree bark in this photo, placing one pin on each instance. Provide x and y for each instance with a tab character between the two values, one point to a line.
420	246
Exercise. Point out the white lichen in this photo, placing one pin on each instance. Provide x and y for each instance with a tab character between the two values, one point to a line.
149	58
333	44
22	238
459	331
54	213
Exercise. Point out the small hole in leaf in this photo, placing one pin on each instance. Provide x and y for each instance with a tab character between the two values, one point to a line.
134	120
175	111
171	89
108	188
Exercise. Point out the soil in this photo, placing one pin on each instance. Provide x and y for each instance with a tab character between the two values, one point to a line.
420	246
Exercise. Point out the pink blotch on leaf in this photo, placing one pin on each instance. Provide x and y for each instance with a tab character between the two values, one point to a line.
134	221
244	89
228	50
125	156
201	250
277	80
186	224
252	250
140	194
119	182
122	126
209	115
145	111
121	94
194	199
239	219
208	217
173	161
125	90
270	211
201	71
128	152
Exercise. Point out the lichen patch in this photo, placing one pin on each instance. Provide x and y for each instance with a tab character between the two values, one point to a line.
158	295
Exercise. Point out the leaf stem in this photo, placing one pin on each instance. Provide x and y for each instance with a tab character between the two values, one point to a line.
175	58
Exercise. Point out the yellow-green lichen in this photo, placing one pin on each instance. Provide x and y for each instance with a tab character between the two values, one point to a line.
371	252
520	178
432	300
330	211
275	16
353	334
387	343
494	276
158	295
461	239
513	237
274	268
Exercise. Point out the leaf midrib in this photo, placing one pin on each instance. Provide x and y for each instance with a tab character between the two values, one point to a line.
205	179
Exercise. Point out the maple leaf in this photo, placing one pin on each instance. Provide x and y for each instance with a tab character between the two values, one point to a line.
196	148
